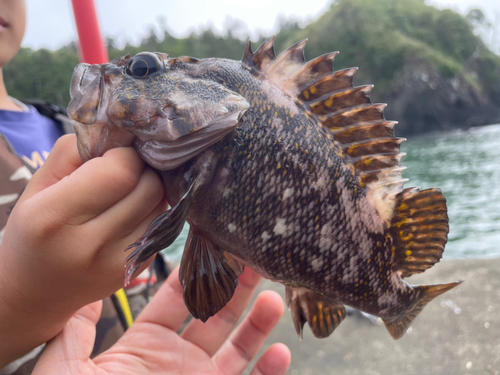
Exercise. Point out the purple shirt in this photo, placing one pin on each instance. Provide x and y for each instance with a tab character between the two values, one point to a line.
31	134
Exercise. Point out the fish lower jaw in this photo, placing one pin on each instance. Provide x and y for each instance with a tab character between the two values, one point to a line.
92	144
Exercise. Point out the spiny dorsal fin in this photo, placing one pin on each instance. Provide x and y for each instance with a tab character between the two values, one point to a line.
287	62
345	113
313	69
248	55
275	69
419	228
260	60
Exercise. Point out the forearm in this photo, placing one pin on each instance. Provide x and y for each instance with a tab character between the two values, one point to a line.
63	245
24	325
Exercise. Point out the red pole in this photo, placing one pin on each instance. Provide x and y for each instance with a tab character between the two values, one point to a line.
92	47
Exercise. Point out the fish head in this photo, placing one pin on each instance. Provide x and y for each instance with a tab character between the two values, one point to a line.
152	102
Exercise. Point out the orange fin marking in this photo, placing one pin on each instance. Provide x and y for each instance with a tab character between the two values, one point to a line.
419	229
335	81
323	315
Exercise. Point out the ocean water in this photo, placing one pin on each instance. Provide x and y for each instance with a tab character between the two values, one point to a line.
465	165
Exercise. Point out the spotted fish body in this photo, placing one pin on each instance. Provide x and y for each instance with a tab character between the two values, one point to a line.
279	165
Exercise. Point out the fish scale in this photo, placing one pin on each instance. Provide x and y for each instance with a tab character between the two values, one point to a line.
278	164
305	167
311	220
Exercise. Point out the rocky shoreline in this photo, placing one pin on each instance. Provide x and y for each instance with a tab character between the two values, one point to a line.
422	100
458	333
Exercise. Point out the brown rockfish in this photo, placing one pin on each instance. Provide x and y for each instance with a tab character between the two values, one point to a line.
277	164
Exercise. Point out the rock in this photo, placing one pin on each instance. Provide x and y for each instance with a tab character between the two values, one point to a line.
423	100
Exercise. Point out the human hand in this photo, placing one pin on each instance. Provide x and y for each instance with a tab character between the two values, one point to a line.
152	346
64	242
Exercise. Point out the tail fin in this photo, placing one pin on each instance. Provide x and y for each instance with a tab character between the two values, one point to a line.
397	328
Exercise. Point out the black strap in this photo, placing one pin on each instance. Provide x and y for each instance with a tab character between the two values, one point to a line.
46	109
55	112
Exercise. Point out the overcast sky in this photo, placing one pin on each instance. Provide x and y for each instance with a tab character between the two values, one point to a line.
51	23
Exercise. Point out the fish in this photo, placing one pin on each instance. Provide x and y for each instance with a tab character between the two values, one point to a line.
278	164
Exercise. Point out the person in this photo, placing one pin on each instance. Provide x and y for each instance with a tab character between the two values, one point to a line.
71	253
152	346
27	134
62	250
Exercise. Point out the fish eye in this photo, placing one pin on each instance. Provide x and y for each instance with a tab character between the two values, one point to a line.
143	65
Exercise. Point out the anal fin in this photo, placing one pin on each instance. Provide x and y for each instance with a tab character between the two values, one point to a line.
397	327
322	314
208	275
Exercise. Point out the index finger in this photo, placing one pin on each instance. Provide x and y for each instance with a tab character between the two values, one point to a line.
243	344
62	161
73	193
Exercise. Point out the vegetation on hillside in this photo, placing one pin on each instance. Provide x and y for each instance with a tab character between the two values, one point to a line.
376	35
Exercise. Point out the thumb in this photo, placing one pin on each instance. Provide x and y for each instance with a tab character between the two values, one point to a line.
71	348
63	160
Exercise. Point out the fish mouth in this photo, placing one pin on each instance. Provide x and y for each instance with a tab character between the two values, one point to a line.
93	141
85	91
95	134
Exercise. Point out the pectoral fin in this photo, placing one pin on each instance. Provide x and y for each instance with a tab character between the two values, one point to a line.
160	234
322	314
208	276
